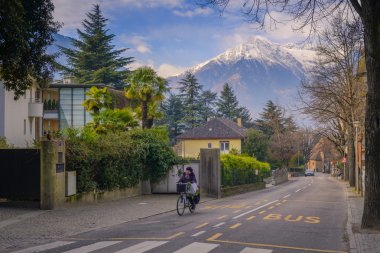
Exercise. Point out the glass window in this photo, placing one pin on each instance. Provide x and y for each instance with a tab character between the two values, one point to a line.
78	108
65	114
224	146
209	145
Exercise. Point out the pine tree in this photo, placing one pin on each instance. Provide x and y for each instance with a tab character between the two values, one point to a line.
173	114
94	60
189	91
272	120
245	116
26	30
228	105
208	100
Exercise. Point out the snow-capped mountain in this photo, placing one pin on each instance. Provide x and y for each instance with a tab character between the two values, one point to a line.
258	70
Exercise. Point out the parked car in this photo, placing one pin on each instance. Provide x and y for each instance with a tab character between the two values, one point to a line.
309	173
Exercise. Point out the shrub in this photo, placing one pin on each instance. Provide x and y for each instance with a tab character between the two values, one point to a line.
238	170
117	160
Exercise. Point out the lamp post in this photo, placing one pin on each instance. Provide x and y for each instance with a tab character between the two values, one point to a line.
356	125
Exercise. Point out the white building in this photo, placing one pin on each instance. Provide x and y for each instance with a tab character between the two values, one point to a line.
21	120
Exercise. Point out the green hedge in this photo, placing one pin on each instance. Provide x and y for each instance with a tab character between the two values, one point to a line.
117	160
239	170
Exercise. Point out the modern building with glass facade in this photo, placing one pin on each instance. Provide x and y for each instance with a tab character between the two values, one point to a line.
63	106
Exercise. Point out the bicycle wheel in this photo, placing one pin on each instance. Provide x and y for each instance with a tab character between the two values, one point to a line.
181	205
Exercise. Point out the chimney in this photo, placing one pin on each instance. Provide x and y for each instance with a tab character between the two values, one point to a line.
239	122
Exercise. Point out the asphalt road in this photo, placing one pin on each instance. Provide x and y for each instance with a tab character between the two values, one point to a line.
306	214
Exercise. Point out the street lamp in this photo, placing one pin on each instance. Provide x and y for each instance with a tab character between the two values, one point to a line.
356	125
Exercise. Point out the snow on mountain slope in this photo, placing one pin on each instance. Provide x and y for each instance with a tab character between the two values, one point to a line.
258	70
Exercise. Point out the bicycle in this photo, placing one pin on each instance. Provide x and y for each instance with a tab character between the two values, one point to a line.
183	201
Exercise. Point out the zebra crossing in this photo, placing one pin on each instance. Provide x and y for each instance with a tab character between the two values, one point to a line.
139	247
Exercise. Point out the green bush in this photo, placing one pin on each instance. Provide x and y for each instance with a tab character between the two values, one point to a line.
117	160
238	170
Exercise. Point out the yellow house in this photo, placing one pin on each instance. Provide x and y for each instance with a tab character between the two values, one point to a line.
216	133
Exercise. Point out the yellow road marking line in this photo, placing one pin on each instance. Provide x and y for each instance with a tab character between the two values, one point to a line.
175	235
216	236
284	201
271	207
221	217
251	218
258	203
262	212
235	226
278	204
237	211
202	225
248	207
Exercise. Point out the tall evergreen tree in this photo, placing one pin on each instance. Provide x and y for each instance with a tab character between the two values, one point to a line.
26	30
208	100
173	114
272	120
94	60
190	91
227	104
245	116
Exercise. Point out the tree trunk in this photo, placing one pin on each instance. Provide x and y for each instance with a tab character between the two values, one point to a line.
371	20
144	114
351	159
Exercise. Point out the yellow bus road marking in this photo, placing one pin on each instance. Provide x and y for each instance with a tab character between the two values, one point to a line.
271	207
202	225
251	217
127	238
221	217
248	207
253	210
262	212
215	237
284	201
237	211
278	204
235	226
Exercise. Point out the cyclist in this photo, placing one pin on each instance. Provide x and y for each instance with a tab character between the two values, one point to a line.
189	177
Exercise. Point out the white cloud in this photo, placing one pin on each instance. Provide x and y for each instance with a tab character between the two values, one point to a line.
166	70
152	3
192	13
139	43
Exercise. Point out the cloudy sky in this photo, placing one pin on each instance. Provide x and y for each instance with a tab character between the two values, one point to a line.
169	35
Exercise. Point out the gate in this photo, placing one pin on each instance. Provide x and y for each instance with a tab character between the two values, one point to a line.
20	174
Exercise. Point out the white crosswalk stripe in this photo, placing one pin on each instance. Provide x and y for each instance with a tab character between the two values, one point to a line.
136	248
44	247
197	247
253	250
92	247
142	247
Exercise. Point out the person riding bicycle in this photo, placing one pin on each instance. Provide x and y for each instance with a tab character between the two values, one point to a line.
189	177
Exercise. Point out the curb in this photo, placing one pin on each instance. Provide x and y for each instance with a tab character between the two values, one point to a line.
351	236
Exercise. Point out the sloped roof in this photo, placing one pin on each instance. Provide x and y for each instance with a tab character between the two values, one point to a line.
216	128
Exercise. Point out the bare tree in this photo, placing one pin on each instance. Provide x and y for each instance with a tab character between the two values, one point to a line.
331	96
310	12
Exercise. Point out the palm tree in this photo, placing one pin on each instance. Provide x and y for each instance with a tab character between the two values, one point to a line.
98	99
145	86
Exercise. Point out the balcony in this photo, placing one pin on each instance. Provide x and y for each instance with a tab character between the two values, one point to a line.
51	109
35	108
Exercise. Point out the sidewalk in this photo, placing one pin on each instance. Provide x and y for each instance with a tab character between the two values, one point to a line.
25	225
361	241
